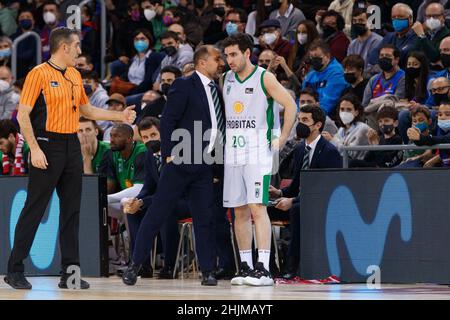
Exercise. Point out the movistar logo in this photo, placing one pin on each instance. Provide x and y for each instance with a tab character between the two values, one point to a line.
366	242
44	245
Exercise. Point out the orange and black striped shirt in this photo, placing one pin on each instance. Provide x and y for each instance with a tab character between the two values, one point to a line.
55	97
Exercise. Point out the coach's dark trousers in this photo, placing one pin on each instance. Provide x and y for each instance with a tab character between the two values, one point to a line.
174	182
64	172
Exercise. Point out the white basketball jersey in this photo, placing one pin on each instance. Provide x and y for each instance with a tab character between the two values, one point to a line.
250	119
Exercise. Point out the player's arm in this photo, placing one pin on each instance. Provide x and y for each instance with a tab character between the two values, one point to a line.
280	95
93	113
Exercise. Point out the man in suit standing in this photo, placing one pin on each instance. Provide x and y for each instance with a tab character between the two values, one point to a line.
315	152
194	111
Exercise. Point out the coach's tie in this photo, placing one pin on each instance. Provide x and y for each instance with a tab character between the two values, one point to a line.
305	164
219	114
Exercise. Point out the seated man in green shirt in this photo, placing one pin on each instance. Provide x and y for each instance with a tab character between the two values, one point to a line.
14	151
94	151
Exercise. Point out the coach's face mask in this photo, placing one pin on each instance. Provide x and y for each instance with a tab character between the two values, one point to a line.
153	145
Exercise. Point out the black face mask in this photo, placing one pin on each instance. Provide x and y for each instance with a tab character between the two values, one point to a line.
220	11
170	51
265	66
413	72
317	63
165	88
387	128
385	64
350	77
358	30
439	98
87	89
199	4
153	146
328	31
303	131
445	58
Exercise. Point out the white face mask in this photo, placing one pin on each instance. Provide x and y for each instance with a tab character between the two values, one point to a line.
346	117
433	24
49	17
149	14
302	38
269	38
3	86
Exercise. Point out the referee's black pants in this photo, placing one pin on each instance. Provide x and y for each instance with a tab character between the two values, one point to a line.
64	172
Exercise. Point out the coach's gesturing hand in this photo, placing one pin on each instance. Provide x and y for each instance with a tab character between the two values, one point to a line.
38	159
129	115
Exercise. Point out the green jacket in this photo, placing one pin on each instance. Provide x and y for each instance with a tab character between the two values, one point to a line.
431	47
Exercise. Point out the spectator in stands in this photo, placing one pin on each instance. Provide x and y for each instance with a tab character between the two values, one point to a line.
432	32
345	9
89	33
326	78
333	25
284	74
364	40
426	3
84	63
179	30
190	23
235	21
116	102
177	55
386	134
94	152
14	150
289	18
306	34
440	92
444	57
51	16
9	99
403	38
256	17
154	107
353	130
265	58
8	23
421	122
354	75
271	38
215	31
26	50
321	155
203	10
5	51
309	97
153	12
97	94
391	81
168	16
442	136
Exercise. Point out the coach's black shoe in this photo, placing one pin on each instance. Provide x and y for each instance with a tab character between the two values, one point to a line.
224	274
131	274
84	285
167	273
17	280
146	272
209	279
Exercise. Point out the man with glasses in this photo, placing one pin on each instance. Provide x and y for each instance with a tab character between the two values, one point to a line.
270	38
432	32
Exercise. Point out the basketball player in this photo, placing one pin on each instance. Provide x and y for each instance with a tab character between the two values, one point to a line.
249	94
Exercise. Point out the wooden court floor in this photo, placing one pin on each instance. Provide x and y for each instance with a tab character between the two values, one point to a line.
45	288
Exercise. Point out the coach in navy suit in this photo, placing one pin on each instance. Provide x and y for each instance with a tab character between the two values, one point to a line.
194	107
315	152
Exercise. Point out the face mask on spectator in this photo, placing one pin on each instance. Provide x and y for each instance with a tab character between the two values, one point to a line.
231	28
433	24
168	21
49	17
358	29
164	88
141	46
328	31
350	77
135	15
153	145
26	24
440	97
149	14
220	11
5	53
303	131
317	63
265	66
199	4
385	64
170	51
302	38
400	24
346	117
270	38
413	72
87	89
4	86
387	128
444	125
422	126
445	58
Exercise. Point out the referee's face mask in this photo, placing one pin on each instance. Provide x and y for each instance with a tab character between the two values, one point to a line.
72	50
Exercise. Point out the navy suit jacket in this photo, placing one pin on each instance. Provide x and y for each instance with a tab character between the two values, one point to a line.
325	156
187	103
151	180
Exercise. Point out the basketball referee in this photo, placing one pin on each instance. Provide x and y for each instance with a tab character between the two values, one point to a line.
51	103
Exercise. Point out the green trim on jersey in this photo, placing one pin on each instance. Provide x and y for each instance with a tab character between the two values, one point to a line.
125	169
262	82
265	190
102	149
249	76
